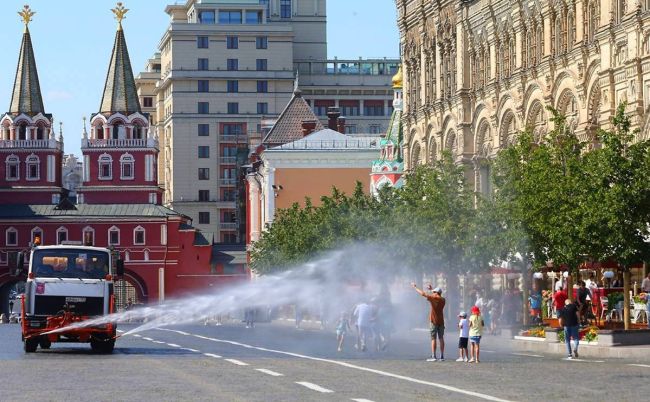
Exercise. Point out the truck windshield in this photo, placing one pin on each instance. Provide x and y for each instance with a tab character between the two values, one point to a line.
70	263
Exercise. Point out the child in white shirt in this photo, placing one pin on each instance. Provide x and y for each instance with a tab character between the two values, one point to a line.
463	326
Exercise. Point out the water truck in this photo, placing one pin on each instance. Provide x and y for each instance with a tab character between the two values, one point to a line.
66	285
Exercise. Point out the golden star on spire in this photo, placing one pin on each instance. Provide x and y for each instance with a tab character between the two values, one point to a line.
120	12
26	14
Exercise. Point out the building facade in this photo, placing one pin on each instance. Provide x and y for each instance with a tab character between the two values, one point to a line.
225	67
118	202
476	72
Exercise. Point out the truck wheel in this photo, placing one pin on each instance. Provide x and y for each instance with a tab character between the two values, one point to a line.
45	343
102	346
30	345
108	347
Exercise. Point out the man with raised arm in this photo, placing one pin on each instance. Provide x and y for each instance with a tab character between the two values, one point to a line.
437	319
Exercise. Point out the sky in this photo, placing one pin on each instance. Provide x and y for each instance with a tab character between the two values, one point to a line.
73	40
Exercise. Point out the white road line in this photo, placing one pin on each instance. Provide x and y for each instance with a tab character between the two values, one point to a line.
119	330
314	387
137	336
356	367
147	338
158	342
191	350
173	345
182	333
526	354
585	361
639	365
488	351
237	362
212	355
270	372
361	400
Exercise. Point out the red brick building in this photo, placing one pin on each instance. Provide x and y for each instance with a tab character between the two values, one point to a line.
119	201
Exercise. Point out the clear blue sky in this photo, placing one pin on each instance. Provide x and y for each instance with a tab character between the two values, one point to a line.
73	39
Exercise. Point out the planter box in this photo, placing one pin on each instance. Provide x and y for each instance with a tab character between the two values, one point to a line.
620	337
551	334
530	338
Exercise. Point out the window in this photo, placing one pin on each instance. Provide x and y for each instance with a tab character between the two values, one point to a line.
37	233
373	110
232	42
261	42
105	167
203	65
262	108
126	167
147	101
351	129
138	236
61	235
262	86
229	217
113	236
204	218
204	107
349	109
204	195
253	17
268	7
204	130
261	64
320	110
11	236
163	235
204	174
33	165
233	129
229	195
232	86
232	64
375	129
285	8
202	42
88	236
229	151
233	108
230	17
13	168
204	151
203	86
206	17
229	238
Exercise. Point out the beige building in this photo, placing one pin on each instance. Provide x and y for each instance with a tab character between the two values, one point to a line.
224	67
477	73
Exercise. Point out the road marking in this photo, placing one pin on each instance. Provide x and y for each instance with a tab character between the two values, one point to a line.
212	355
527	354
173	345
314	387
270	372
639	365
191	350
585	361
237	362
138	336
356	367
158	342
361	400
147	338
183	333
119	330
488	351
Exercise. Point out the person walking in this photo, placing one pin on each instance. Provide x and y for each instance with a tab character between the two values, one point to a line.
645	286
437	319
476	325
365	314
584	297
570	320
463	326
342	328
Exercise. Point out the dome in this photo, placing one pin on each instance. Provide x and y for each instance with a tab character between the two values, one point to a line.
397	79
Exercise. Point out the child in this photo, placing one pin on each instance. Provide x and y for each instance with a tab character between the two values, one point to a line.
342	327
476	325
463	325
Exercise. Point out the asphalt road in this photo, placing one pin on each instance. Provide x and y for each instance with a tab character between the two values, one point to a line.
276	362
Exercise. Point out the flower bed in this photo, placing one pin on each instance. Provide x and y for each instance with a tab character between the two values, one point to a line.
535	332
588	334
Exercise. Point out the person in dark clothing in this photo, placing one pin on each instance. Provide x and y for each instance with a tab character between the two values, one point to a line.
584	298
569	319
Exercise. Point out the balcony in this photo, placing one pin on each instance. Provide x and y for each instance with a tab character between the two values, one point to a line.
228	182
119	143
31	144
239	138
228	225
228	160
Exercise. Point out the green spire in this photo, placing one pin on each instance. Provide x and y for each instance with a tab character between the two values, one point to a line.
26	97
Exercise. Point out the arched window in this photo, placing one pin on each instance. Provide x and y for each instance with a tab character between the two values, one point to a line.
99	131
127	167
540	41
61	235
105	167
33	167
524	49
88	235
505	48
40	132
513	54
11	237
113	236
12	172
117	128
22	131
37	235
486	58
139	236
137	131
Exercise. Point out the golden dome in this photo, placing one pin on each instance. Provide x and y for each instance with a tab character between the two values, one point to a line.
397	79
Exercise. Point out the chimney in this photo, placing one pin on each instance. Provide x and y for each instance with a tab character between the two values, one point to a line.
333	117
341	125
308	127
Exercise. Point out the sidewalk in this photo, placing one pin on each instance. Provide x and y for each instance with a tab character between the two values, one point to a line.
641	352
